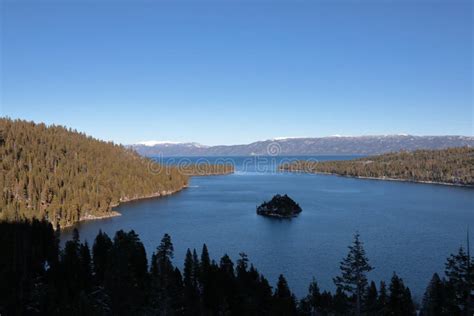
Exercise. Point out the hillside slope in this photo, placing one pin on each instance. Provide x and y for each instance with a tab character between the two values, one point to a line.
65	176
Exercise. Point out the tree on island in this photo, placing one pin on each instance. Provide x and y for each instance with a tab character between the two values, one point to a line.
279	206
354	268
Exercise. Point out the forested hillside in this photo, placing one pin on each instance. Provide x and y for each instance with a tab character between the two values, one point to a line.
63	176
205	169
452	165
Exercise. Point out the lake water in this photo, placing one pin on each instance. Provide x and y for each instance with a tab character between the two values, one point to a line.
406	227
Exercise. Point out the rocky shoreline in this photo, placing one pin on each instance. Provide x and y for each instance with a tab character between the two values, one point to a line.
112	213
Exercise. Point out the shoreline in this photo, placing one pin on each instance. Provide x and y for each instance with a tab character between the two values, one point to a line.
113	213
382	178
213	174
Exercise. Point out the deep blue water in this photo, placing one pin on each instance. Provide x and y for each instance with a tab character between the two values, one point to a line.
406	227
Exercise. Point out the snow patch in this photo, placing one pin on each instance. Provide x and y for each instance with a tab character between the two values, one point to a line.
157	142
151	143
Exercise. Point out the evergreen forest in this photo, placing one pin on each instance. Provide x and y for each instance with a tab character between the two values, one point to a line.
114	276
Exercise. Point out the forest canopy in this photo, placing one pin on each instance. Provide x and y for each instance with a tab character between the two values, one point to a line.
114	276
451	166
63	176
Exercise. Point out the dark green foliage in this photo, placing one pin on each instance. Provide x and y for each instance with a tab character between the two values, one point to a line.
205	169
354	269
191	290
371	300
399	300
64	176
284	300
38	278
100	254
279	206
452	165
382	302
438	299
460	280
166	282
126	278
28	251
311	304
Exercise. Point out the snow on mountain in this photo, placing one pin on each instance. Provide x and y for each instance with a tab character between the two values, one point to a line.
151	143
331	145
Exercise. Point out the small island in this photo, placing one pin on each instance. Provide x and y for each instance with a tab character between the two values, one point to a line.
281	206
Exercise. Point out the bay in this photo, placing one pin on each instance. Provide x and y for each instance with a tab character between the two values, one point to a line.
409	228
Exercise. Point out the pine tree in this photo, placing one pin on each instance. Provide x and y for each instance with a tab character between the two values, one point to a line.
340	303
190	283
382	301
400	302
242	265
460	273
313	299
434	300
196	271
100	253
85	265
284	300
371	300
126	278
205	262
354	267
206	279
162	277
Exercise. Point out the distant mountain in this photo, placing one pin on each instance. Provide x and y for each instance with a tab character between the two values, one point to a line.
332	145
166	148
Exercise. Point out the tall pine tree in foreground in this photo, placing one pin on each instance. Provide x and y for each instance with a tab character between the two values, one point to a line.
460	274
354	269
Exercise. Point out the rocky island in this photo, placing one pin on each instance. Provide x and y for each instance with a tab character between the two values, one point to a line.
279	206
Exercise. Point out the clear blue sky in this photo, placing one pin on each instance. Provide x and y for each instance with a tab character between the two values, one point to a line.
227	72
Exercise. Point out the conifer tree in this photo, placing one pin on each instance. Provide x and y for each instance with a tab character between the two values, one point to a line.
162	277
190	283
100	253
312	301
460	273
371	300
126	278
284	300
435	298
382	301
400	302
354	268
196	271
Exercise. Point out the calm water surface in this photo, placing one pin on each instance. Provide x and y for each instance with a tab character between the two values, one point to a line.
408	228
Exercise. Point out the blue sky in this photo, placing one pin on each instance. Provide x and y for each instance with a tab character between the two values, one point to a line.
227	72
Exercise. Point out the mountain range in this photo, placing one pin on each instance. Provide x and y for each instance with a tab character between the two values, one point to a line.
331	145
